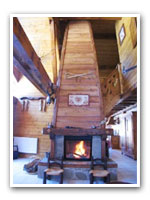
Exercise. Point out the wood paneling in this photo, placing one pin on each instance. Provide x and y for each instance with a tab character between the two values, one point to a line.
79	57
127	53
31	122
89	18
128	133
17	73
78	132
115	142
38	30
106	46
111	90
107	52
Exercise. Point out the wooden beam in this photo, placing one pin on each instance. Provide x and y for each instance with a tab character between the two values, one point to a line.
53	50
27	61
17	73
57	45
120	78
107	36
89	18
130	96
59	78
76	131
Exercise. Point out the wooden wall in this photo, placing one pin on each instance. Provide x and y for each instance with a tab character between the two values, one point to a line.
79	57
128	51
106	46
111	91
38	30
107	54
127	129
31	122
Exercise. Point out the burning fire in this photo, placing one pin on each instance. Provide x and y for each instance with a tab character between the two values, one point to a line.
80	150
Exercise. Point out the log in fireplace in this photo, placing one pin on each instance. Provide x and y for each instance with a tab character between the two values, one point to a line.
77	148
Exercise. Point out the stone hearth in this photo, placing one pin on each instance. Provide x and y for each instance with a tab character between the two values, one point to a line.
78	170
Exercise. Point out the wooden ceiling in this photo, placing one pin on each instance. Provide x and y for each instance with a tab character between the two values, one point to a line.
27	61
106	46
38	32
105	41
104	36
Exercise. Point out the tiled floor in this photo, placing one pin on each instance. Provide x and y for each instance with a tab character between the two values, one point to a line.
127	167
127	171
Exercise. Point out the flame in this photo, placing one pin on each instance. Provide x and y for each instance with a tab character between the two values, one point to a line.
79	150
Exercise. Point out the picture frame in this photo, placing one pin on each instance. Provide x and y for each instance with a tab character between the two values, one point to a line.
78	99
122	34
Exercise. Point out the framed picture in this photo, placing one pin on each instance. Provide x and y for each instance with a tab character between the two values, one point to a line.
78	100
122	34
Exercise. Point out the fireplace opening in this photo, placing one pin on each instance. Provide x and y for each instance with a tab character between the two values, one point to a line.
78	148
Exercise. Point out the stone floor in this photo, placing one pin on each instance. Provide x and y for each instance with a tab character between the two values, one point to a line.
127	171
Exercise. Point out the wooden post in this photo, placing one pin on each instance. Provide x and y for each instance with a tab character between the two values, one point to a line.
103	146
59	77
52	149
120	78
27	61
53	50
57	45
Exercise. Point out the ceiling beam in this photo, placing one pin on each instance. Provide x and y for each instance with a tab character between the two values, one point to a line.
17	73
27	61
108	36
89	18
54	61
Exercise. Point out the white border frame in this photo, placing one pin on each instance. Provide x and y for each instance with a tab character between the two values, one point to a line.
138	100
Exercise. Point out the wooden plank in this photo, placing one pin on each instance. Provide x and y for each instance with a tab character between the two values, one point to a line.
65	104
29	75
92	99
77	131
90	18
79	66
74	87
120	78
53	51
89	92
77	124
127	53
108	36
59	78
28	59
79	58
97	73
82	112
77	119
17	73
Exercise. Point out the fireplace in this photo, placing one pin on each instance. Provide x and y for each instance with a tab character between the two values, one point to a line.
77	148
